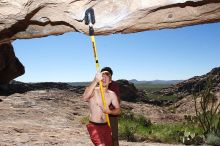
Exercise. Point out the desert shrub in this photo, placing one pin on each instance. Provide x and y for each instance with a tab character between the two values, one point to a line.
133	127
213	139
208	112
172	132
84	120
127	115
143	120
190	138
128	132
130	124
137	118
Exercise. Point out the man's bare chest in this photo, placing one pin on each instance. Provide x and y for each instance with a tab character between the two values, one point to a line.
99	100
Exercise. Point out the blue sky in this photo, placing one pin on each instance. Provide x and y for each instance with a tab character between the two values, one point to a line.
167	54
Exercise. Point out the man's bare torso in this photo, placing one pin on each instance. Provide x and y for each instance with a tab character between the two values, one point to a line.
96	106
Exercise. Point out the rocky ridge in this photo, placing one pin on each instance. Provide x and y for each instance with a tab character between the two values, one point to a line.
195	84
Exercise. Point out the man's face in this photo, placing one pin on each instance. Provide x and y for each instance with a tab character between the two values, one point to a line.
106	79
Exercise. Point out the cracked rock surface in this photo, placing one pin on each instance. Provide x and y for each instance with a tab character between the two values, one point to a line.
33	18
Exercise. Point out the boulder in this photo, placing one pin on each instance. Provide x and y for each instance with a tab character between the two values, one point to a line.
10	66
128	91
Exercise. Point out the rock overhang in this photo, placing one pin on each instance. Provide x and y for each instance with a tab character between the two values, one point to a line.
22	19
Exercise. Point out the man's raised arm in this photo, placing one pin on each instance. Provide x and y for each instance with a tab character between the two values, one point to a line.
90	89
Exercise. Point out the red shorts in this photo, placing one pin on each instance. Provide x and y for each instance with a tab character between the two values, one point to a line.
100	133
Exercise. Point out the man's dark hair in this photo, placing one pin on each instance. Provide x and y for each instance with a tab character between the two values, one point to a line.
108	69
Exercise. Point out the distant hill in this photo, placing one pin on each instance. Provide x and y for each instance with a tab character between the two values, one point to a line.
78	83
156	81
136	82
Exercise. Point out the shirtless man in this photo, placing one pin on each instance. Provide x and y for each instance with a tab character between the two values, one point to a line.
100	132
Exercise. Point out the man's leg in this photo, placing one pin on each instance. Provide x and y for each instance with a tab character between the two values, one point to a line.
95	135
107	135
100	134
114	127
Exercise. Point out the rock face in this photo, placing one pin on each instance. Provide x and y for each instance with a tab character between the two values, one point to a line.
128	91
20	87
195	84
34	18
10	66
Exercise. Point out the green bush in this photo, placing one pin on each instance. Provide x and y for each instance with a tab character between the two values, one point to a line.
133	127
127	115
84	120
128	132
189	138
130	124
143	121
207	112
213	139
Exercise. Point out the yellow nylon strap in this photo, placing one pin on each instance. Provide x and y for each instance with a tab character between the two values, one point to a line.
100	82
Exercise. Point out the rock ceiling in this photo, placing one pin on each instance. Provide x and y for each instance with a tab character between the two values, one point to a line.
39	18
